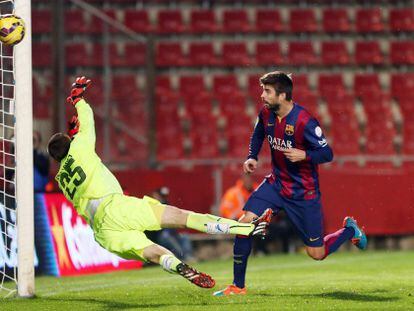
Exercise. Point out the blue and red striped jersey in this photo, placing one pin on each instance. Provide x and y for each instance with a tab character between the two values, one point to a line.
299	129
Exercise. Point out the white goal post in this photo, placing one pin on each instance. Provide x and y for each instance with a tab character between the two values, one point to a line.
24	154
16	160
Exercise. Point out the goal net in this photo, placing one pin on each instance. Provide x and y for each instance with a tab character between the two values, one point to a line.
16	161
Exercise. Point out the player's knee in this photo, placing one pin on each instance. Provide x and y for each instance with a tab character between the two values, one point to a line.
316	253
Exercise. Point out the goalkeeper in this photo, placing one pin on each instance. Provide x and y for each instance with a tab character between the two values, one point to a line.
119	221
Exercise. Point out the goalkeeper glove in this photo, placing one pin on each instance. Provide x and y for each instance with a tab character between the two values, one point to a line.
73	127
77	90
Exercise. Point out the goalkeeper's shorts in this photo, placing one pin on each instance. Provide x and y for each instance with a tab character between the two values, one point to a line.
120	222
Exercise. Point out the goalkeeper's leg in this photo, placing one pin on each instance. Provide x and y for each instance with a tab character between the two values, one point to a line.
160	255
173	217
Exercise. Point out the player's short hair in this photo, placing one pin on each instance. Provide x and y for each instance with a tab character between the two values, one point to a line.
58	146
281	82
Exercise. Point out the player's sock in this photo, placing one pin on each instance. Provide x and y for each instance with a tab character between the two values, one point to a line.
217	225
169	263
241	252
336	239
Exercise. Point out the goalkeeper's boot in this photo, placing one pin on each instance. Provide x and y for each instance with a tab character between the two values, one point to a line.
198	278
231	290
261	224
359	239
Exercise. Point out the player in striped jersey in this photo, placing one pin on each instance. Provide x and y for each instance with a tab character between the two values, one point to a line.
298	146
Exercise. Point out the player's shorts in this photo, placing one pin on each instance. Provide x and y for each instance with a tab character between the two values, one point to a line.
306	215
120	222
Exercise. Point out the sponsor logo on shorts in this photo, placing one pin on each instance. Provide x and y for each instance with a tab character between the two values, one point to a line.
314	239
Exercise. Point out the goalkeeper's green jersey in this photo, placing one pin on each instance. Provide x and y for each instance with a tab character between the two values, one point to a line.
82	176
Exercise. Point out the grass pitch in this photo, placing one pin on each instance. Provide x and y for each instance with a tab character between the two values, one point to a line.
344	281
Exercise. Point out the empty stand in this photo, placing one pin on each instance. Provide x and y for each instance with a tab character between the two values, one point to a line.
402	52
336	20
401	19
368	53
268	53
235	21
42	21
331	86
302	53
170	54
170	21
369	20
138	20
235	54
268	21
303	20
203	21
366	84
335	53
202	54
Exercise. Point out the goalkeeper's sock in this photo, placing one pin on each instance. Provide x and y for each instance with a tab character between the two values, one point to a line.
336	239
241	251
217	225
169	263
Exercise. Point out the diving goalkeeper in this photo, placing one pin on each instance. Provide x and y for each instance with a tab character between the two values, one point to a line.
119	221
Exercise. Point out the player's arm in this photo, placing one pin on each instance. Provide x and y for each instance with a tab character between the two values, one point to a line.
256	141
318	151
85	121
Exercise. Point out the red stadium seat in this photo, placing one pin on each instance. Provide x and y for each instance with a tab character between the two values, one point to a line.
138	21
125	86
300	83
42	54
336	20
170	54
344	132
95	94
192	86
268	53
402	52
170	21
202	54
232	105
203	21
198	109
42	21
268	21
163	87
380	131
205	144
225	85
402	85
96	25
75	21
366	84
368	53
335	53
235	54
254	89
76	55
235	21
402	19
369	20
303	20
302	53
331	85
135	54
307	100
97	58
170	147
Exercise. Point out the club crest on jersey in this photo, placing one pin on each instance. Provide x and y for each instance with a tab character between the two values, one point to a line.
289	129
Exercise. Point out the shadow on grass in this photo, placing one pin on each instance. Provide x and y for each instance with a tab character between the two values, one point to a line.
341	295
119	305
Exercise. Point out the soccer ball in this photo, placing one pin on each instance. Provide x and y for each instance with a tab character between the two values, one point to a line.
12	29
